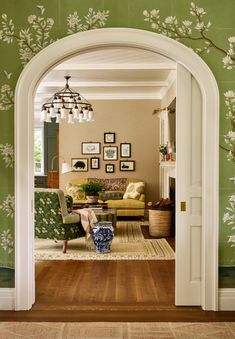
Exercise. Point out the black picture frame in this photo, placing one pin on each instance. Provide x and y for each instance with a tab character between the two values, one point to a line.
94	163
125	150
109	168
109	138
110	153
127	165
79	164
91	147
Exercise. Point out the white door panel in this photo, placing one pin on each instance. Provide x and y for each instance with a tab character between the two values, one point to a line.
188	189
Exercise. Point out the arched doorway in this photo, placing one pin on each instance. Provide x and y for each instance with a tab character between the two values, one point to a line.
27	83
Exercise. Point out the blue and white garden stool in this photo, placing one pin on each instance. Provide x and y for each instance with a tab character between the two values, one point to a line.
103	233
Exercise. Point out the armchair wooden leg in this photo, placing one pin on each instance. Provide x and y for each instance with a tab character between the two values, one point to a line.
65	243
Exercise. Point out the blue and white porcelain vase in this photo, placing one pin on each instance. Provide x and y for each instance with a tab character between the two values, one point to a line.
103	233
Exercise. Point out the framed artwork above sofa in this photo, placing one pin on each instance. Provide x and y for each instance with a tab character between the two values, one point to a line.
110	153
91	147
125	150
109	168
109	138
94	163
79	164
127	165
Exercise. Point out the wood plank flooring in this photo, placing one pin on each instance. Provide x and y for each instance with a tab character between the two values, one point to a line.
72	284
68	291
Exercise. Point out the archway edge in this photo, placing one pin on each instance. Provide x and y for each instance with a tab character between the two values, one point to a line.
25	89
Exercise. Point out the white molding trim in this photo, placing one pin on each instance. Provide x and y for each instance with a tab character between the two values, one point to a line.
46	86
7	299
25	91
227	299
77	67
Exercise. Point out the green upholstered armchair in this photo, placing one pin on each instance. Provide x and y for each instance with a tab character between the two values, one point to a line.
52	220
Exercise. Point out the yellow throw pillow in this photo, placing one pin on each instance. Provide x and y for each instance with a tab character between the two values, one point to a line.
134	190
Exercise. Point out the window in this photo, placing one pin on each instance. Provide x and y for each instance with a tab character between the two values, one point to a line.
38	151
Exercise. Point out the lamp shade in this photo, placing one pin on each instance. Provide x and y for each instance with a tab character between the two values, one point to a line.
66	168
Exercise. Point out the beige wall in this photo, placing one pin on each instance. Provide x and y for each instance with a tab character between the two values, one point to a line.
133	122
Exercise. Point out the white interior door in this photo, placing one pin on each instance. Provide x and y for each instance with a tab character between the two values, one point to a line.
188	189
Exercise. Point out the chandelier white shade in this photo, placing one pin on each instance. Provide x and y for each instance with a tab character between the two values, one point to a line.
67	105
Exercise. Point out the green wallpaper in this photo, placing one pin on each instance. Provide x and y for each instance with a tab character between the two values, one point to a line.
27	26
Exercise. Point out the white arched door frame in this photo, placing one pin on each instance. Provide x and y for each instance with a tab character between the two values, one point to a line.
24	120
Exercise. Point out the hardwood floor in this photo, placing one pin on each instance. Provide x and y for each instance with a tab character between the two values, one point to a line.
112	290
72	284
75	284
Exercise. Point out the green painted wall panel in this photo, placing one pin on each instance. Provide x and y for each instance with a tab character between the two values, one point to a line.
50	146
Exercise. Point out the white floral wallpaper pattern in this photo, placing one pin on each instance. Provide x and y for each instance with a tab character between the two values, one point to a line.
196	30
30	40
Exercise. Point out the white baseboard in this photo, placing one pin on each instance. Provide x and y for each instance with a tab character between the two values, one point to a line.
227	299
7	299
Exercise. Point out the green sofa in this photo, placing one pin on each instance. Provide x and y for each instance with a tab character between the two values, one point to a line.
113	194
52	219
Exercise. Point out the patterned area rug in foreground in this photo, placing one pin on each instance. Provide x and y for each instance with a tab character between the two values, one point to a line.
128	243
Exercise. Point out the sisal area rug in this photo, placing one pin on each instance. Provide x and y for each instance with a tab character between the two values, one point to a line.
128	243
117	330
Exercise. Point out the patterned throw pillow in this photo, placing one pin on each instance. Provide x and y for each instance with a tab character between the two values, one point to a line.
115	195
75	191
134	190
112	184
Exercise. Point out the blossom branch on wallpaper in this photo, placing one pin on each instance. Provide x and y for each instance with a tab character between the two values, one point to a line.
8	205
229	219
7	241
7	152
92	20
31	39
229	138
6	97
36	36
193	30
229	215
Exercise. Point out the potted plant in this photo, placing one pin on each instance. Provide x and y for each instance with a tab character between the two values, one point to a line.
92	190
163	151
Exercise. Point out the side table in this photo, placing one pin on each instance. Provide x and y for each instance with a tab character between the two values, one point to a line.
102	233
109	214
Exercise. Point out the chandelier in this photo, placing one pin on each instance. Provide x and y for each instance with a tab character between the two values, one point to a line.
67	105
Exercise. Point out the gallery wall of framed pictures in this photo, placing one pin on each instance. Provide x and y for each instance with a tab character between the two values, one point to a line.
110	152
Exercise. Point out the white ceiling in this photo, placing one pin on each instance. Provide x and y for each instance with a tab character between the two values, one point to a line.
110	73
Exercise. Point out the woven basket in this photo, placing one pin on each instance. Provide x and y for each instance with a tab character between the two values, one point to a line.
160	223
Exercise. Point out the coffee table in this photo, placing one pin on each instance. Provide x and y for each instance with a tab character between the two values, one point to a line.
108	214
